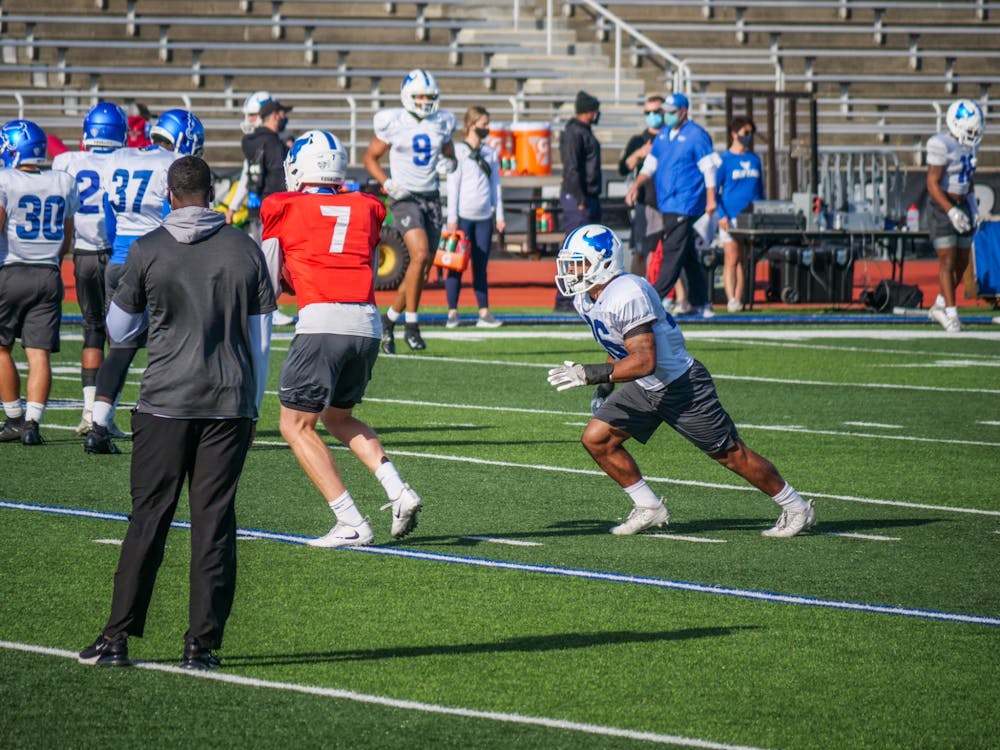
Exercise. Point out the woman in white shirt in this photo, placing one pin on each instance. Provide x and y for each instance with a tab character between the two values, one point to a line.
474	199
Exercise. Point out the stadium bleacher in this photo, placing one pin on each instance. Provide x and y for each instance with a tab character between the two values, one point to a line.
882	71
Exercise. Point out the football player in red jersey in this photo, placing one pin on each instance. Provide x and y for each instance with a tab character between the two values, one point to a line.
321	245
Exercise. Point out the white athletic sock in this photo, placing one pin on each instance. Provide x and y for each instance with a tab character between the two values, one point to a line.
392	315
13	409
389	477
789	499
951	312
642	495
411	317
34	411
102	413
89	392
345	510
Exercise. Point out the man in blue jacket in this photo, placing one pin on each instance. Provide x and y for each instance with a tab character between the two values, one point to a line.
682	166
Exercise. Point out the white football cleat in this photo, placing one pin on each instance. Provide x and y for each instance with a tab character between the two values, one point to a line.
279	318
86	423
343	535
404	512
789	524
641	519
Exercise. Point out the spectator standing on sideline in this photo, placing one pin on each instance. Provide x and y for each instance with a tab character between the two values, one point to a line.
264	152
682	165
474	198
134	184
580	150
266	157
740	182
36	231
952	209
209	297
418	140
647	222
105	129
323	243
662	383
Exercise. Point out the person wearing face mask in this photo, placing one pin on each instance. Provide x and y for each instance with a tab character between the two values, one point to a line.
265	152
682	165
581	161
647	224
474	198
740	182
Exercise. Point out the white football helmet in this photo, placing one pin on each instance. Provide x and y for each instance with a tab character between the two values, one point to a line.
591	255
251	109
316	158
419	82
965	122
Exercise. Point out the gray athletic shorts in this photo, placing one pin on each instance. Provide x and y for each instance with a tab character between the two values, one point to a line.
88	270
689	404
30	305
419	210
326	369
941	231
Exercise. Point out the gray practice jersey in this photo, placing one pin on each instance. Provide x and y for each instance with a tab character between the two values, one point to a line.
88	224
627	302
37	205
959	162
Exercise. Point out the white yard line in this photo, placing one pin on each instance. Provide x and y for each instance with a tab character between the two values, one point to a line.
406	705
680	538
498	540
875	424
852	535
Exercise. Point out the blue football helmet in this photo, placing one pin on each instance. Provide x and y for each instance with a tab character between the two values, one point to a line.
316	158
22	142
590	256
105	126
182	129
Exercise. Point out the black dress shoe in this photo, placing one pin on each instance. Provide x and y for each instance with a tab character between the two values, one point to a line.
106	653
197	657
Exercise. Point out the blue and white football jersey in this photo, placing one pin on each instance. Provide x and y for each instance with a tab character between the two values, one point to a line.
88	224
415	146
37	204
959	162
135	183
629	301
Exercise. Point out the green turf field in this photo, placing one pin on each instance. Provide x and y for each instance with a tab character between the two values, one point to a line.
510	617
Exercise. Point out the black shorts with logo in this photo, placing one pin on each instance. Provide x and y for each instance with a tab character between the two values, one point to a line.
30	305
690	404
326	369
419	210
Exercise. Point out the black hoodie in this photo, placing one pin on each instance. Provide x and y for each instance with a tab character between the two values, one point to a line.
264	147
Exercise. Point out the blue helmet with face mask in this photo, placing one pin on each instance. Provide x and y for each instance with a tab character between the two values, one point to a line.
182	129
22	142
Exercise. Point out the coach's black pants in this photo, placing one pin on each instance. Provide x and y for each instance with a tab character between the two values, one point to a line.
679	254
210	454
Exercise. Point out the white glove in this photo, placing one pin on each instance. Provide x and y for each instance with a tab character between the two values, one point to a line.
959	220
446	166
569	375
394	191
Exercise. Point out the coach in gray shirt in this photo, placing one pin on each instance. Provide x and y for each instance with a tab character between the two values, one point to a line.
204	289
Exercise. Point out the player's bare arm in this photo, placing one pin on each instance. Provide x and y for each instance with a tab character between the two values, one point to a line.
934	174
640	343
377	148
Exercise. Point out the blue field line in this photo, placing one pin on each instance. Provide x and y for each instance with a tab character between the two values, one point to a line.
595	575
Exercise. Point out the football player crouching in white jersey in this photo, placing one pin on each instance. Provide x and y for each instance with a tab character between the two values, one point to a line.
418	139
952	209
105	129
36	231
662	384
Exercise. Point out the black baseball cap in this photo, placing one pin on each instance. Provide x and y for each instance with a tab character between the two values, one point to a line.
272	105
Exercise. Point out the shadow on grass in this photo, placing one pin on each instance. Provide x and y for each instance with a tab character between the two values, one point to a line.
526	644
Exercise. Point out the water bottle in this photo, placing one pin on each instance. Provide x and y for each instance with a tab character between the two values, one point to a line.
912	218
